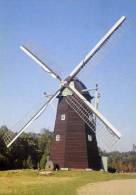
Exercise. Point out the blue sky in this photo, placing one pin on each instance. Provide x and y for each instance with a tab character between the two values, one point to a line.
61	33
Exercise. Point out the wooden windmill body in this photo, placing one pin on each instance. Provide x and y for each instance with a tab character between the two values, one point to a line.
74	144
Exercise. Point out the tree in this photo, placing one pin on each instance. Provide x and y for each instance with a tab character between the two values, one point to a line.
43	161
29	163
31	149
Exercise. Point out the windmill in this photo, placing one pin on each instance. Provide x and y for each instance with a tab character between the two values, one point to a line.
77	120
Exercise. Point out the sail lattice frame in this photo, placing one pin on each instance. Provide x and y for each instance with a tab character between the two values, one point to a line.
96	125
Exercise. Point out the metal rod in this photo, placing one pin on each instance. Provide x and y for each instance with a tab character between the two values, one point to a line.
96	97
87	90
96	100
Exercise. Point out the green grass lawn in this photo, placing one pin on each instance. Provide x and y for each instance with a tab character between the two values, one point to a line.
24	182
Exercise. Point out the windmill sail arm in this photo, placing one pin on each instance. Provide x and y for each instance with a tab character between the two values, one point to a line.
97	47
28	124
96	112
44	66
33	118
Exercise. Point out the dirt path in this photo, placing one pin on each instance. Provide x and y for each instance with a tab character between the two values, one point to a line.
114	187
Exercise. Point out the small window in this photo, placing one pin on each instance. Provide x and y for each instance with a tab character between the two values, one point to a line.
57	138
63	117
89	138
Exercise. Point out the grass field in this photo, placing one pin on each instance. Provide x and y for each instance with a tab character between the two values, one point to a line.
60	183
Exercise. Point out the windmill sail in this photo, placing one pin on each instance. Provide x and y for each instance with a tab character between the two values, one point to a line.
97	47
85	110
10	137
40	62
